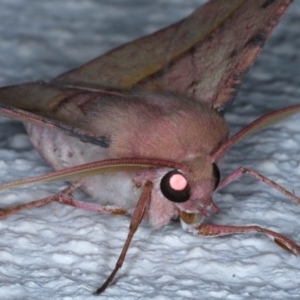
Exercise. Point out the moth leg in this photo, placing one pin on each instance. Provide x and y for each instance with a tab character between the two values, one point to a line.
240	171
101	209
136	219
220	230
5	212
63	197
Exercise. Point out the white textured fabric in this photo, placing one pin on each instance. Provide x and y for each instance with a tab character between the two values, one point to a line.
59	252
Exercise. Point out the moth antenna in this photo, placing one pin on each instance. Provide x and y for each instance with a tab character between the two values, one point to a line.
136	219
259	124
94	168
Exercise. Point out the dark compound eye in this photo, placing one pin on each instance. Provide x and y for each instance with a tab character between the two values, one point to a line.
216	175
175	187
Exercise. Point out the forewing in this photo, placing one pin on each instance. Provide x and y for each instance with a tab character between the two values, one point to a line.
49	106
203	56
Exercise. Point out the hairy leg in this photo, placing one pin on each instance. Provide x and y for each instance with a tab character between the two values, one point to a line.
212	230
240	171
136	219
64	197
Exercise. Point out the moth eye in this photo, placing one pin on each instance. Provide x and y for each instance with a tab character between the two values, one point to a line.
216	175
175	187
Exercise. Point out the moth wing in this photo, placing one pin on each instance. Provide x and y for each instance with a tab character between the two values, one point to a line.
204	56
49	106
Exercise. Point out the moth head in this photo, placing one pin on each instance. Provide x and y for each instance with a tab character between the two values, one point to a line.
190	189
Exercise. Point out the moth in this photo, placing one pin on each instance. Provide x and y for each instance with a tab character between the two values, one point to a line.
156	129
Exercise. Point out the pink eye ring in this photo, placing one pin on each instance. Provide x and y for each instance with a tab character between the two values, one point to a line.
175	187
